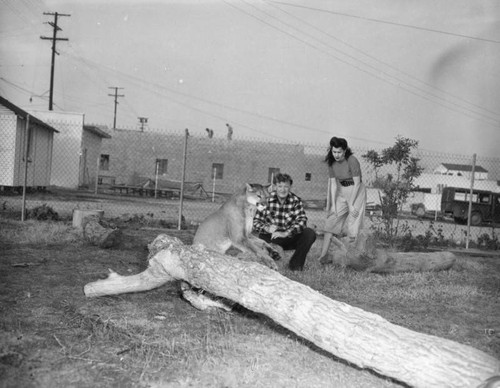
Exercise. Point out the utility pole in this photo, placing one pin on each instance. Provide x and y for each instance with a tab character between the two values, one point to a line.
143	121
116	95
54	39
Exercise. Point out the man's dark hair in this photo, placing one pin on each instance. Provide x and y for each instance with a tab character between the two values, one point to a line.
279	178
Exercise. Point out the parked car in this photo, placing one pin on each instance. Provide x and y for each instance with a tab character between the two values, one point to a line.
485	205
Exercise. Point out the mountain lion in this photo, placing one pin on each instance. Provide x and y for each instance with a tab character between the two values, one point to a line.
232	225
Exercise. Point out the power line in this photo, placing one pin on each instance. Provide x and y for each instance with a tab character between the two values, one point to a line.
54	39
389	65
210	113
386	22
142	82
392	79
88	71
22	89
228	107
159	86
395	81
21	14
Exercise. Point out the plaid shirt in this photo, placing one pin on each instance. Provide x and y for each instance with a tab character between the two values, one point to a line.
287	217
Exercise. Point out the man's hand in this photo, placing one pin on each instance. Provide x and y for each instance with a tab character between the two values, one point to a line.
279	235
272	229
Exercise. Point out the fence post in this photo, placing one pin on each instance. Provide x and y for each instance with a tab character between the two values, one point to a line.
469	212
97	175
179	224
26	140
156	178
213	184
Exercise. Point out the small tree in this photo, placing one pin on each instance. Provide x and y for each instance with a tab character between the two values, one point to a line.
375	160
395	187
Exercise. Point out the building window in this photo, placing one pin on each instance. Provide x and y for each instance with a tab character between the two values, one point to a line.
217	170
161	166
308	177
271	174
104	162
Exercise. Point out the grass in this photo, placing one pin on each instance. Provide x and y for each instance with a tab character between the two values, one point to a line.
35	232
51	335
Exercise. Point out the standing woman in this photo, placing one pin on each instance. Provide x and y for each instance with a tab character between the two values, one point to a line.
346	199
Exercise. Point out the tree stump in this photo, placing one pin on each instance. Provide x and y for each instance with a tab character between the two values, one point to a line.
350	333
362	255
80	215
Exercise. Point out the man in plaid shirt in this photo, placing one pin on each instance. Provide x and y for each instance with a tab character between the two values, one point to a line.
283	221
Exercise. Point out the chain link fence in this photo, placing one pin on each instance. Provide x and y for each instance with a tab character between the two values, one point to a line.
178	178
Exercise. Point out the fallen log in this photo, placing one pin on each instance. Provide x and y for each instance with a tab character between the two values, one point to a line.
350	333
362	255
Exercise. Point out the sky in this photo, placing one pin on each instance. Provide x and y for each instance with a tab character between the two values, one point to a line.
282	70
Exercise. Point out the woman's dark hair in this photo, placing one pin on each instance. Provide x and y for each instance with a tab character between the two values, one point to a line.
337	142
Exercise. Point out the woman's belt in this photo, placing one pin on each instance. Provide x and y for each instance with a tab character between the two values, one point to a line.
347	182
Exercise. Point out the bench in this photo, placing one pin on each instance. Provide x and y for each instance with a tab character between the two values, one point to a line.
145	191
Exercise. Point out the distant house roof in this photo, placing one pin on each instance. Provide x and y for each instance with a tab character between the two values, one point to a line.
23	114
97	131
463	167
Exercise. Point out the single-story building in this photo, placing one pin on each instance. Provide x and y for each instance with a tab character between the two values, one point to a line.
221	165
76	149
463	170
24	134
91	154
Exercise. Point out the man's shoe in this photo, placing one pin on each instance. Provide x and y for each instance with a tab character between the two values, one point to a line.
275	251
275	255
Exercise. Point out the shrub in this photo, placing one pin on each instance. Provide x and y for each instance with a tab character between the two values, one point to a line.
395	187
488	242
43	213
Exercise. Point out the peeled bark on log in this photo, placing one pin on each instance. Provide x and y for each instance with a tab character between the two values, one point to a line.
350	333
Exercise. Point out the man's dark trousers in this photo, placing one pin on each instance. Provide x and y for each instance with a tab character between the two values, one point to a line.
301	242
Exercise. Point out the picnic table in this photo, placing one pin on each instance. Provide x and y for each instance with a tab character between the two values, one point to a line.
163	188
